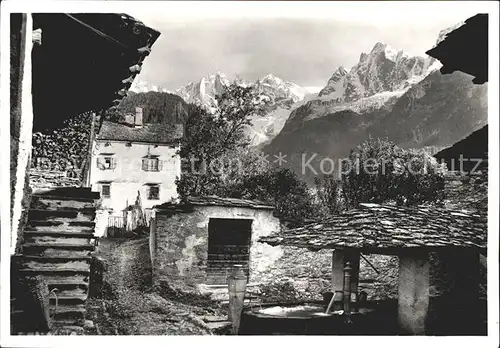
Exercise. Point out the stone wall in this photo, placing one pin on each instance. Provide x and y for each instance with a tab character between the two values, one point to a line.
179	244
310	273
41	179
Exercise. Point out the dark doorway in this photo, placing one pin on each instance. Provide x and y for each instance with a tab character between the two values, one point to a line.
228	245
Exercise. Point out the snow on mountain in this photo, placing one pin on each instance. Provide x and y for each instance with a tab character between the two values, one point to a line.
281	96
383	69
277	88
335	86
386	94
141	86
379	77
204	91
265	128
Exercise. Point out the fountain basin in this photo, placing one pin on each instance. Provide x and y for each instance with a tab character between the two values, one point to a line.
374	318
303	318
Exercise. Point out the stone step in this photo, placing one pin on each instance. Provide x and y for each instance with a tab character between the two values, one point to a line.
71	238
59	225
66	287
51	249
40	202
68	300
72	193
65	312
81	234
68	292
61	266
62	281
220	326
61	214
66	271
43	250
213	319
63	323
55	259
69	327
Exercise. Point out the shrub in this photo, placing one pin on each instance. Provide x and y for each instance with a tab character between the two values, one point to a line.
279	291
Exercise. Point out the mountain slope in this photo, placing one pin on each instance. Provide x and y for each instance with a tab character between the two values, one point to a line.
387	94
437	112
280	96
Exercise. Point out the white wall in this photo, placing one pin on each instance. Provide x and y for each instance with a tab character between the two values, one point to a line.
25	132
128	178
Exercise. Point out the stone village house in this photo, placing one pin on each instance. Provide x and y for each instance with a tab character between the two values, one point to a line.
133	164
197	243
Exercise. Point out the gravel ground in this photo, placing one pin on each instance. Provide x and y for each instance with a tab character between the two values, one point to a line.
130	306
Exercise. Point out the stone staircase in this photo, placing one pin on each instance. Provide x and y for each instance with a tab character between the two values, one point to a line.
57	242
220	293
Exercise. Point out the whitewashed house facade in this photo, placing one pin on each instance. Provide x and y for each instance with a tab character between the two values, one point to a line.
133	161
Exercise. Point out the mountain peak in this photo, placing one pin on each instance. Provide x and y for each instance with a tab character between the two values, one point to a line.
384	69
205	90
379	47
389	52
340	71
271	78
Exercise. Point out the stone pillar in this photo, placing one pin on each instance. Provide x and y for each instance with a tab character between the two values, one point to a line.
237	282
337	270
413	299
340	257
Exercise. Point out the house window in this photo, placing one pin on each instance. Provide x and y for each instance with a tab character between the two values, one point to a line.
106	190
151	164
106	162
154	192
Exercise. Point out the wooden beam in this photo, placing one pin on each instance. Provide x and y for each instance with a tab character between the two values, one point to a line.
413	289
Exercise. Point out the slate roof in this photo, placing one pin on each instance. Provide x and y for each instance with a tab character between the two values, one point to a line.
377	227
148	133
228	202
212	201
467	192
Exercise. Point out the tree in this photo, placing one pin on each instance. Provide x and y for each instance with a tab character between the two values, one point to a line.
379	171
217	160
209	136
282	188
329	195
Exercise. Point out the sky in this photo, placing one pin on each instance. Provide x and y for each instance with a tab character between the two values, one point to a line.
304	46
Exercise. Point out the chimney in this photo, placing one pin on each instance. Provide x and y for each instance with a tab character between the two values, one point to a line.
129	119
138	117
